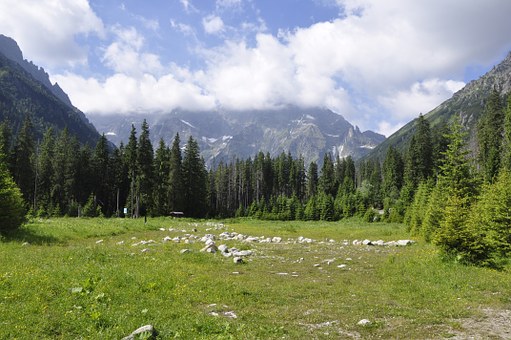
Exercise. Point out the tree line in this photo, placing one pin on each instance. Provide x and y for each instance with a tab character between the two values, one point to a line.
434	186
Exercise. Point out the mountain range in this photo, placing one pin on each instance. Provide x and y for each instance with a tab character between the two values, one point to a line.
223	135
25	89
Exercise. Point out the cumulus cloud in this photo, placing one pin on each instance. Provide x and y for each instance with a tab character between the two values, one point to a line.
421	97
46	29
125	54
213	24
125	94
379	64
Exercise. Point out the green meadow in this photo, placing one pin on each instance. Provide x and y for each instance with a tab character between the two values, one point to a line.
71	278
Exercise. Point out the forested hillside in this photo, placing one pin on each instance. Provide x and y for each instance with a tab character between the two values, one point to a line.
22	96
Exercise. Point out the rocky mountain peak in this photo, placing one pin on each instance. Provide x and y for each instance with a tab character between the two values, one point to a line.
10	49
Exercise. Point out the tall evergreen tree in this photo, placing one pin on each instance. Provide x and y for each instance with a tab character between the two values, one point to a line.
194	180
327	182
145	159
12	212
24	158
312	179
458	182
392	174
102	183
175	190
131	154
162	170
506	143
45	172
489	133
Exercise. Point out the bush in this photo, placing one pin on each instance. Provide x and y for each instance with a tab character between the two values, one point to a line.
12	209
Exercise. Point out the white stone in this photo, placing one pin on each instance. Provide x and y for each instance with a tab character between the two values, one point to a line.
167	238
223	248
243	253
276	239
404	242
341	266
237	259
99	241
364	322
144	329
184	251
366	242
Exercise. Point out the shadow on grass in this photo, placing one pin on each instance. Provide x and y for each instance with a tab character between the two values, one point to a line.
24	234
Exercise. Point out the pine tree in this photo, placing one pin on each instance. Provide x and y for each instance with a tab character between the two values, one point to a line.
12	212
490	225
312	180
506	143
24	152
131	153
175	190
194	180
327	182
457	181
490	131
45	172
162	170
145	159
392	174
102	181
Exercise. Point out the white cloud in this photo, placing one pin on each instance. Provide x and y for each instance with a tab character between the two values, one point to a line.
379	64
122	94
46	29
213	24
421	97
125	54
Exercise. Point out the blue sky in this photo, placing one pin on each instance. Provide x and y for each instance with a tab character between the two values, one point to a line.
378	63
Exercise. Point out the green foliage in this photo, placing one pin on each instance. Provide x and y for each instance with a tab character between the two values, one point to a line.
12	210
91	208
489	133
490	224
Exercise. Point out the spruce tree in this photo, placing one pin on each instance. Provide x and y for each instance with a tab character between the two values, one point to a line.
194	180
175	189
12	212
506	142
489	133
24	157
145	159
312	180
162	170
457	181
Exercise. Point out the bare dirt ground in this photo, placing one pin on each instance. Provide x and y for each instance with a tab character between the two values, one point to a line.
492	324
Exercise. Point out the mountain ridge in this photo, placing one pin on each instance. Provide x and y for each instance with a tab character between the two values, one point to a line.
25	89
224	135
467	102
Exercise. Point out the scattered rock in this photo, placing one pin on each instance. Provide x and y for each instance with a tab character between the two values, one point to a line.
364	322
99	241
230	314
145	250
147	329
276	239
366	242
24	244
223	248
237	259
184	251
341	266
167	238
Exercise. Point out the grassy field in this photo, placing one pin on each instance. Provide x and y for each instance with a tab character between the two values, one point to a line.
103	278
